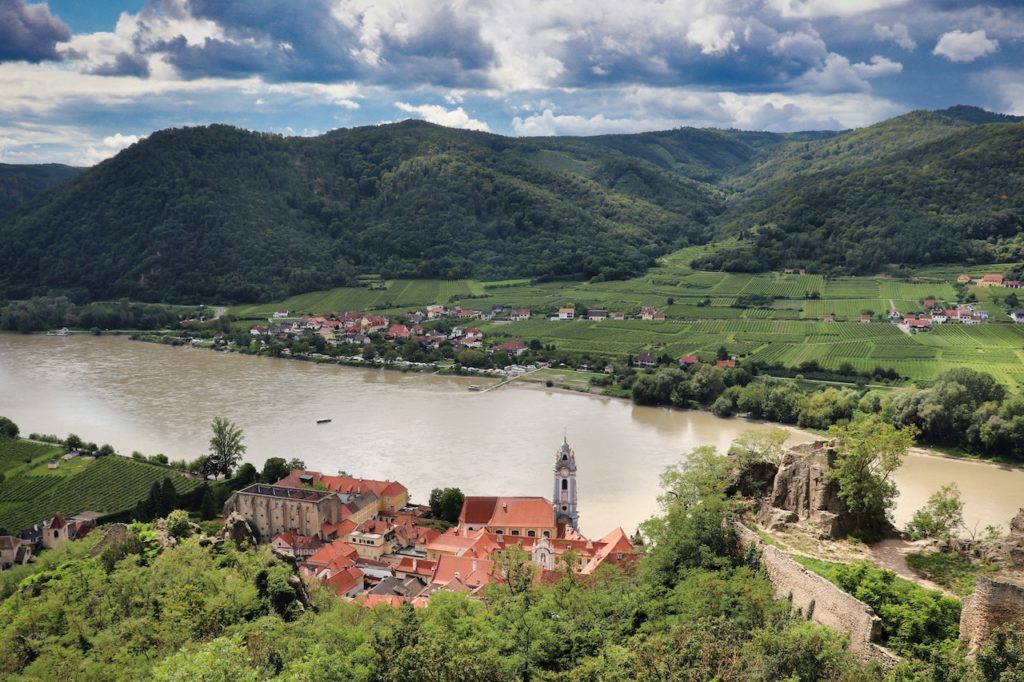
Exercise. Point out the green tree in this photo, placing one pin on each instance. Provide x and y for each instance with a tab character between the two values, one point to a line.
226	447
940	517
446	504
168	497
868	452
759	445
73	442
274	469
208	506
8	429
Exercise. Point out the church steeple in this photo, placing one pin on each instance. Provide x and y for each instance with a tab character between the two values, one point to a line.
564	498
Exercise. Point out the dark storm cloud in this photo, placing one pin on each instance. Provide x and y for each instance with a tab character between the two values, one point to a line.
125	64
29	32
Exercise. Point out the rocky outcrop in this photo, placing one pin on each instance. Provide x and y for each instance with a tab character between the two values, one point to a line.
1004	552
803	491
239	530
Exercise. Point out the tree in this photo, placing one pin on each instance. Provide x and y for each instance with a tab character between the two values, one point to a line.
73	442
274	469
446	504
940	517
246	474
168	497
8	429
868	452
226	447
759	445
208	507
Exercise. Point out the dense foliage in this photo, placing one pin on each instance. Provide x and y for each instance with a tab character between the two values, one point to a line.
221	213
18	184
41	313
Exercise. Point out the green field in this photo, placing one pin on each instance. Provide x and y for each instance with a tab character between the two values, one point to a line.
704	317
108	484
19	455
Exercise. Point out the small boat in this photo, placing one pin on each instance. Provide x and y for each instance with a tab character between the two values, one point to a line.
323	421
474	387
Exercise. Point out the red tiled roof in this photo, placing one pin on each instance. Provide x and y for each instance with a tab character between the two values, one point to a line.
345	579
689	359
57	522
992	278
726	363
472	573
345	484
477	510
524	512
333	553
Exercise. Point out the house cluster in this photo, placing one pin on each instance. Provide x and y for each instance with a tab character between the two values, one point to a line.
794	271
356	328
363	540
20	549
935	313
990	281
602	314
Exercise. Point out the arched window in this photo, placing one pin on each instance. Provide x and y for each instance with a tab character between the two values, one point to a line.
531	534
565	484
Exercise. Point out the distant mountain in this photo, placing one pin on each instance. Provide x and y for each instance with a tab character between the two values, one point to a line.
927	187
20	183
221	214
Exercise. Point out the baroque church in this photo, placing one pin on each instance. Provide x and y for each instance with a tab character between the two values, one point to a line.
564	498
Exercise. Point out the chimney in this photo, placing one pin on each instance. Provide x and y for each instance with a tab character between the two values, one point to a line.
504	507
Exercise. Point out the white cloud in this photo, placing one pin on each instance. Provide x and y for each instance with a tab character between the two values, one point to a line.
958	46
878	66
105	148
452	118
638	109
809	9
713	34
897	33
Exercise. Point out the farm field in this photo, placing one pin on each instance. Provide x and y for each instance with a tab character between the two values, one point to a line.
109	484
786	326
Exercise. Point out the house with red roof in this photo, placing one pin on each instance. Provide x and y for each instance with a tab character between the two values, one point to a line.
56	532
397	331
347	582
391	496
519	314
991	281
964	279
465	574
513	516
514	347
688	360
728	364
566	313
290	543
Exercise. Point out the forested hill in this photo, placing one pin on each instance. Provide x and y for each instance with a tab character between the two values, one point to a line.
221	214
18	183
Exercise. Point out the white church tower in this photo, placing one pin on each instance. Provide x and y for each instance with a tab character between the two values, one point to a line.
564	499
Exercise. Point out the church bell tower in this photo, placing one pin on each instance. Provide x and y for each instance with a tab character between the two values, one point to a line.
564	499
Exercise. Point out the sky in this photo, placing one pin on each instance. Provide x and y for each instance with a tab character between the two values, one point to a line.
82	79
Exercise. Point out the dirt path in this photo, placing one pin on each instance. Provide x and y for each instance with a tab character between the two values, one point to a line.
892	554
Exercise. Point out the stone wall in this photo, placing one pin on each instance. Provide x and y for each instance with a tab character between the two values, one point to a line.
993	604
117	532
832	607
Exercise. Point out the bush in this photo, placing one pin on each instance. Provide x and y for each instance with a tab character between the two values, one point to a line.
178	525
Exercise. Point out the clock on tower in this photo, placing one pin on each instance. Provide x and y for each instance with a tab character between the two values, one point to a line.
564	499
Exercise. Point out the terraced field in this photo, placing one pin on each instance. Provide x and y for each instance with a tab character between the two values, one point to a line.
110	484
703	308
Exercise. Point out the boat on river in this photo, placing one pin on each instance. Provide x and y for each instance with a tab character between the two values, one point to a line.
474	387
323	421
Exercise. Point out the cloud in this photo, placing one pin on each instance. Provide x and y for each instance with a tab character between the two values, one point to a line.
124	64
29	32
877	67
452	118
809	9
897	33
106	148
957	46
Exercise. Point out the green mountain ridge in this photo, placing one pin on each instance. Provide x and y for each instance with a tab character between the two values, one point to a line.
20	183
218	213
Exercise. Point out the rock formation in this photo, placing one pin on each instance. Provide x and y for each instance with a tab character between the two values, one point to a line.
239	530
803	491
994	604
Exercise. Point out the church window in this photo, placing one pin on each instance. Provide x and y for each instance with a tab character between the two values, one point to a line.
547	534
565	507
515	532
565	484
531	533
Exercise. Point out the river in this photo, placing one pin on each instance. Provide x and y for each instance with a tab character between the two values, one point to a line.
424	430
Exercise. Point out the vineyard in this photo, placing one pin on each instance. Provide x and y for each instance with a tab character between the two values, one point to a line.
17	455
110	484
772	317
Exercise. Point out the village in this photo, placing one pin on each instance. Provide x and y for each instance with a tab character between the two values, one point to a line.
365	541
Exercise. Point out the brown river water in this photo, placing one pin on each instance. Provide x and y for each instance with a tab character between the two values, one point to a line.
424	430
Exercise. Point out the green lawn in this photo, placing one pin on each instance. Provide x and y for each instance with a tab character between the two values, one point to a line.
19	455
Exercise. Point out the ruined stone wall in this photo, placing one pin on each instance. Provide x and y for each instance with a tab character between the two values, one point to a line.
993	604
117	532
832	607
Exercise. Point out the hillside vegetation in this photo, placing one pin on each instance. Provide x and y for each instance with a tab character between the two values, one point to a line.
224	215
18	184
